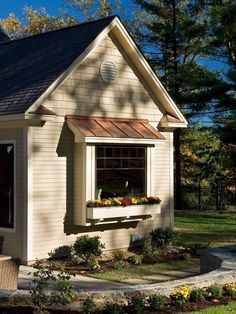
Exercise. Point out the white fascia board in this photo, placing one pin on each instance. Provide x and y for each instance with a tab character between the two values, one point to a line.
140	61
61	79
79	138
172	125
12	117
113	140
24	117
39	117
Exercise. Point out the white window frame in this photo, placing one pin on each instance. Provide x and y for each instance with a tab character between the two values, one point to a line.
91	171
85	176
5	229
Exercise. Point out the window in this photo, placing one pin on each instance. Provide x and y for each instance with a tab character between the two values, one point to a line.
120	171
6	185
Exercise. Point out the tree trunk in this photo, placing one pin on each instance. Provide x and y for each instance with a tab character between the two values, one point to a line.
178	189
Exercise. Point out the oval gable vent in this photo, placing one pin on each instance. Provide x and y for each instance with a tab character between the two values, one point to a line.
108	72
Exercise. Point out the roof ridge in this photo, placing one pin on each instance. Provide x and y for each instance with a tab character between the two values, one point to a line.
60	29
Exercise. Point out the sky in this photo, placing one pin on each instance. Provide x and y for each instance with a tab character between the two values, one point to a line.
8	6
52	7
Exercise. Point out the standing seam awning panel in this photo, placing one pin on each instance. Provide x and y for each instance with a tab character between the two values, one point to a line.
114	127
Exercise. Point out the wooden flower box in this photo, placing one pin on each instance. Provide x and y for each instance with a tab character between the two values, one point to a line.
100	213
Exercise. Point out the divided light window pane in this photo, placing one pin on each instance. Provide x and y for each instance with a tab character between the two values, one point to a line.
120	171
6	185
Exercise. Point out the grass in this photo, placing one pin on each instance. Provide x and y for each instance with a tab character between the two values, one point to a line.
220	309
142	271
206	228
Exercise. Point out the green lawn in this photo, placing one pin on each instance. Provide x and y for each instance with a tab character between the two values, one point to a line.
142	271
206	228
220	309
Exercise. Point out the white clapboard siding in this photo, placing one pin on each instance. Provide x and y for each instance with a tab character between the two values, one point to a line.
84	93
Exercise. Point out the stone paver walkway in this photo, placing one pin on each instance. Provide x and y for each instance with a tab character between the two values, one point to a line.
79	282
164	276
88	283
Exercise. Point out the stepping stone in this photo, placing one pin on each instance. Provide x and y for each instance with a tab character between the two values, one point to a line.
179	273
160	277
194	270
136	281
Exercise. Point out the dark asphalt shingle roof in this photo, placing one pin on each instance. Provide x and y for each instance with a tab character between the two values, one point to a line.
30	65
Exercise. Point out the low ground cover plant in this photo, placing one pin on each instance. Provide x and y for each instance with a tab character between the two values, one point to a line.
196	295
135	259
119	255
150	254
215	291
156	302
88	306
136	303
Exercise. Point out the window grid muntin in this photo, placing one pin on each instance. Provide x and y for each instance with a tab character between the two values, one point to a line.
114	147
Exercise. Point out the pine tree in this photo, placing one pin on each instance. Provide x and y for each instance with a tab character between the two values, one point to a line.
223	20
176	37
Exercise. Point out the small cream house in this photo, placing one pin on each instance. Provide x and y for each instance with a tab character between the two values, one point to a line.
82	117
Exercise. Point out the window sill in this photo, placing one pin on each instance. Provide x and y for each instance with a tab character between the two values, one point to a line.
127	212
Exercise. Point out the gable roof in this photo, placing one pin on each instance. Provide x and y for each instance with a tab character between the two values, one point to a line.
32	68
28	66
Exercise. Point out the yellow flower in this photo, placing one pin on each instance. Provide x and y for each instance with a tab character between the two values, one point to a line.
183	292
134	200
107	202
116	201
231	287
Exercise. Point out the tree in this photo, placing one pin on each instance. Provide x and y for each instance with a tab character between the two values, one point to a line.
91	9
175	36
35	22
224	49
206	163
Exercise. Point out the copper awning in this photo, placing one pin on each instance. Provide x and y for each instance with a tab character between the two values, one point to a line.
93	127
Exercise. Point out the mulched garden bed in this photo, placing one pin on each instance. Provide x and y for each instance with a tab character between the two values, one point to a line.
80	268
7	307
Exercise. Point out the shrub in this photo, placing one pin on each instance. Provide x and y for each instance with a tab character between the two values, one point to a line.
180	295
136	304
86	247
161	238
119	255
113	308
88	306
157	302
230	289
93	264
63	294
150	254
196	295
64	290
135	259
61	251
215	291
120	265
